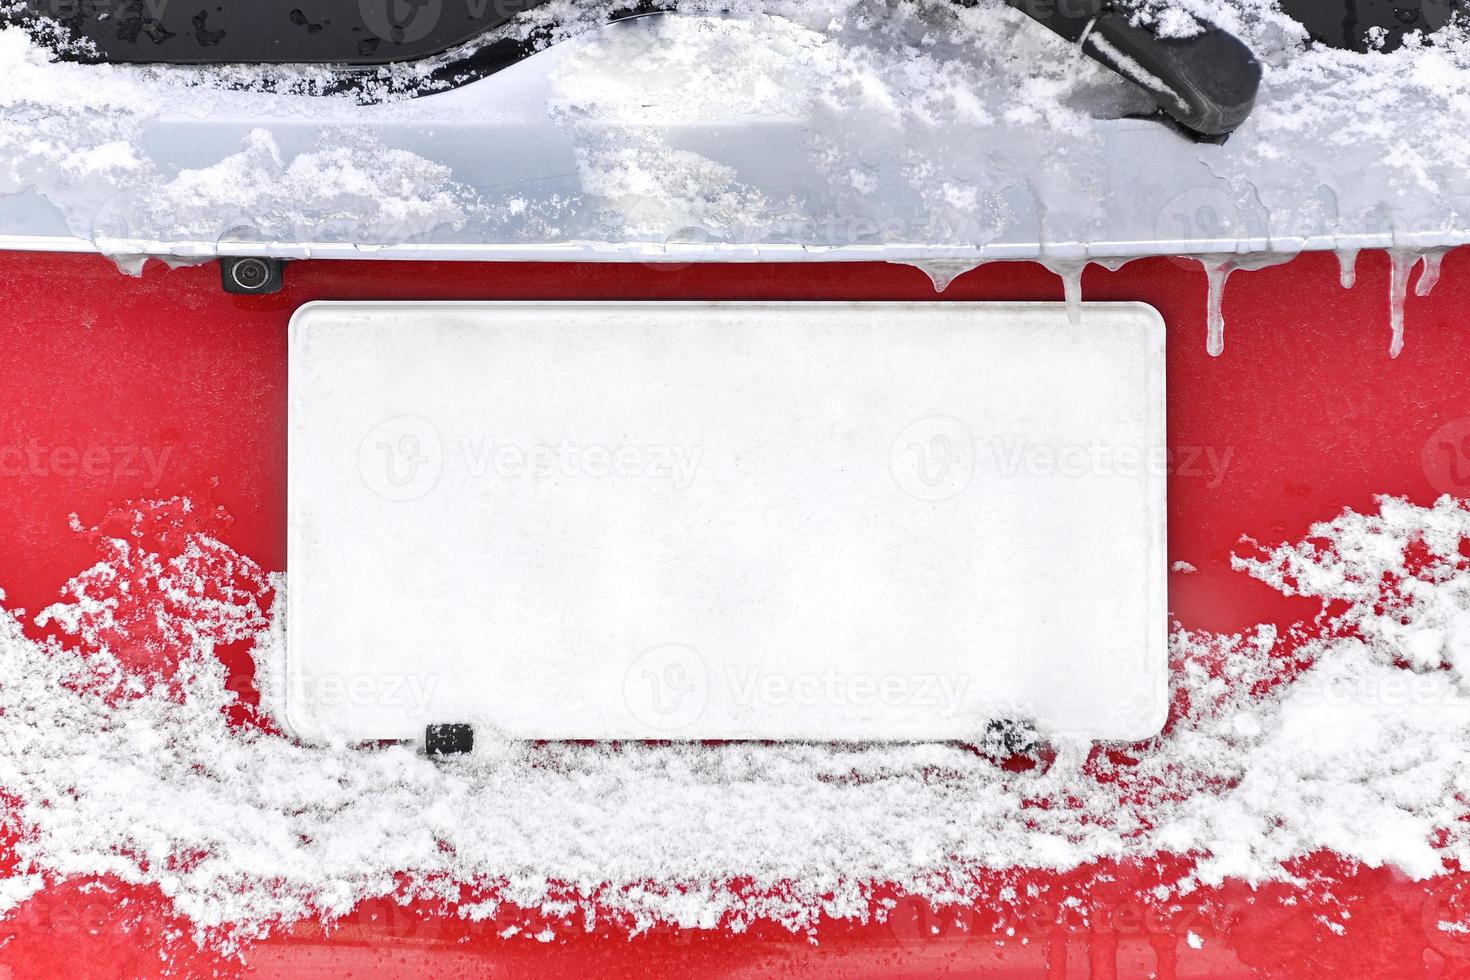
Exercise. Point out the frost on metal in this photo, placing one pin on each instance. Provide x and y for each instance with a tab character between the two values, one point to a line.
119	759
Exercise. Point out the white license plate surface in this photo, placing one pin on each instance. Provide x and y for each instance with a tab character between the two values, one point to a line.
725	520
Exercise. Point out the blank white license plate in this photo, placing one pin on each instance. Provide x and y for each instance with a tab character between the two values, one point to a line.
865	521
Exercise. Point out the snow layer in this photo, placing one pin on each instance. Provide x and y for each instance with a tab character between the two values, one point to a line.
118	759
920	131
923	127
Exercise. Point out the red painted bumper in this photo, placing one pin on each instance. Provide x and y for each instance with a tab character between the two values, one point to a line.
118	389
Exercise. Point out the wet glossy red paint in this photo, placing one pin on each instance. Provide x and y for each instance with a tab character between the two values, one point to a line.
117	389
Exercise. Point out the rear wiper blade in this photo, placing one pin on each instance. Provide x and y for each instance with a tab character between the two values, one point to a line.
1206	83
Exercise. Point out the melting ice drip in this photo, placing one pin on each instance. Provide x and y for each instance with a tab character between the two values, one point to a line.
1217	268
943	272
1403	262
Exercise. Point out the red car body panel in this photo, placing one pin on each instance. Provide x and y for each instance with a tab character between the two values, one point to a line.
1313	414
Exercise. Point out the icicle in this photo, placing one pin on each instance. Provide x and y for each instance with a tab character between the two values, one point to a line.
1347	267
1070	272
1217	270
1429	275
942	272
1072	293
1400	264
129	265
184	261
